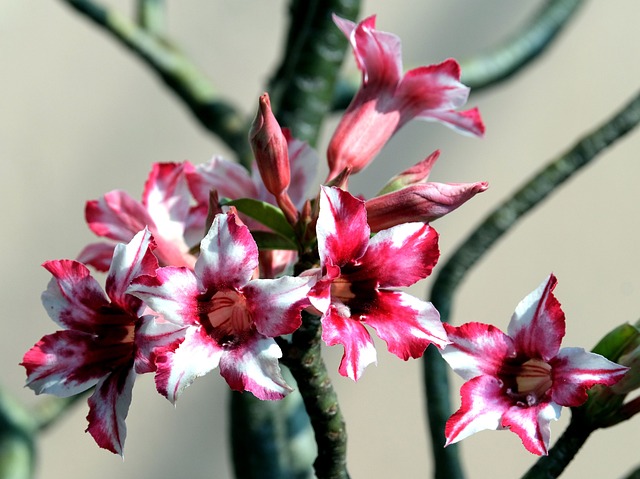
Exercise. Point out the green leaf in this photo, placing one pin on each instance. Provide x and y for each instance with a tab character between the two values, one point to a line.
617	341
267	214
266	240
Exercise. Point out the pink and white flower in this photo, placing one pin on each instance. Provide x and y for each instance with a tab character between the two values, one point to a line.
165	209
388	99
358	280
229	319
103	339
521	380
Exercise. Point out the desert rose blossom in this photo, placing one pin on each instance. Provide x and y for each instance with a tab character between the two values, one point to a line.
165	209
229	319
103	341
387	99
358	284
521	380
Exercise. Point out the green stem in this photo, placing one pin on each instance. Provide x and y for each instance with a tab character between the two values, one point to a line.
271	439
180	74
519	50
304	359
302	88
487	234
564	450
151	15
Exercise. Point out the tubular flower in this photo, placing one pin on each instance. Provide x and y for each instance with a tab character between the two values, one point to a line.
521	380
165	209
357	281
229	319
101	341
387	99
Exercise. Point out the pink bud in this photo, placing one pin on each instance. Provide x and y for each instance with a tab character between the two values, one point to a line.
270	149
421	202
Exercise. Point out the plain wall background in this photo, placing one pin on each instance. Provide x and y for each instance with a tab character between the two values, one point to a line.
79	116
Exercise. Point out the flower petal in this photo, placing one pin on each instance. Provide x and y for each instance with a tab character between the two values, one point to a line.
405	323
153	336
108	408
97	255
68	362
378	54
477	349
230	179
194	357
228	254
253	367
467	122
359	350
117	216
483	405
73	297
275	304
433	87
172	292
576	370
532	424
342	229
129	262
538	324
399	256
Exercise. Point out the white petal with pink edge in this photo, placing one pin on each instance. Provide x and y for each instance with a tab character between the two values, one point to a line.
576	370
108	408
342	229
194	357
253	366
73	296
400	256
129	262
228	255
533	425
477	348
359	350
64	363
538	323
172	292
407	324
275	304
483	405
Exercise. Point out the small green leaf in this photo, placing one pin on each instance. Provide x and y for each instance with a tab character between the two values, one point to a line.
617	341
267	214
266	240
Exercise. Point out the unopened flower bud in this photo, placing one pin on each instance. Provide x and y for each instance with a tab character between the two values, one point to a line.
421	202
270	149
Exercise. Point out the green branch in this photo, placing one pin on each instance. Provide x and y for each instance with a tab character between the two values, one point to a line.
519	50
303	357
181	75
484	237
302	88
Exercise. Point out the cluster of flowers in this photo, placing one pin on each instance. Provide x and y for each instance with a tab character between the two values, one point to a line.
215	263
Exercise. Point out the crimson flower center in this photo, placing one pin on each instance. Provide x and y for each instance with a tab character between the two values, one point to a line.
532	380
227	319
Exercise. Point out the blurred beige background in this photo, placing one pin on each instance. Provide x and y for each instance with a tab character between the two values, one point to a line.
80	116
